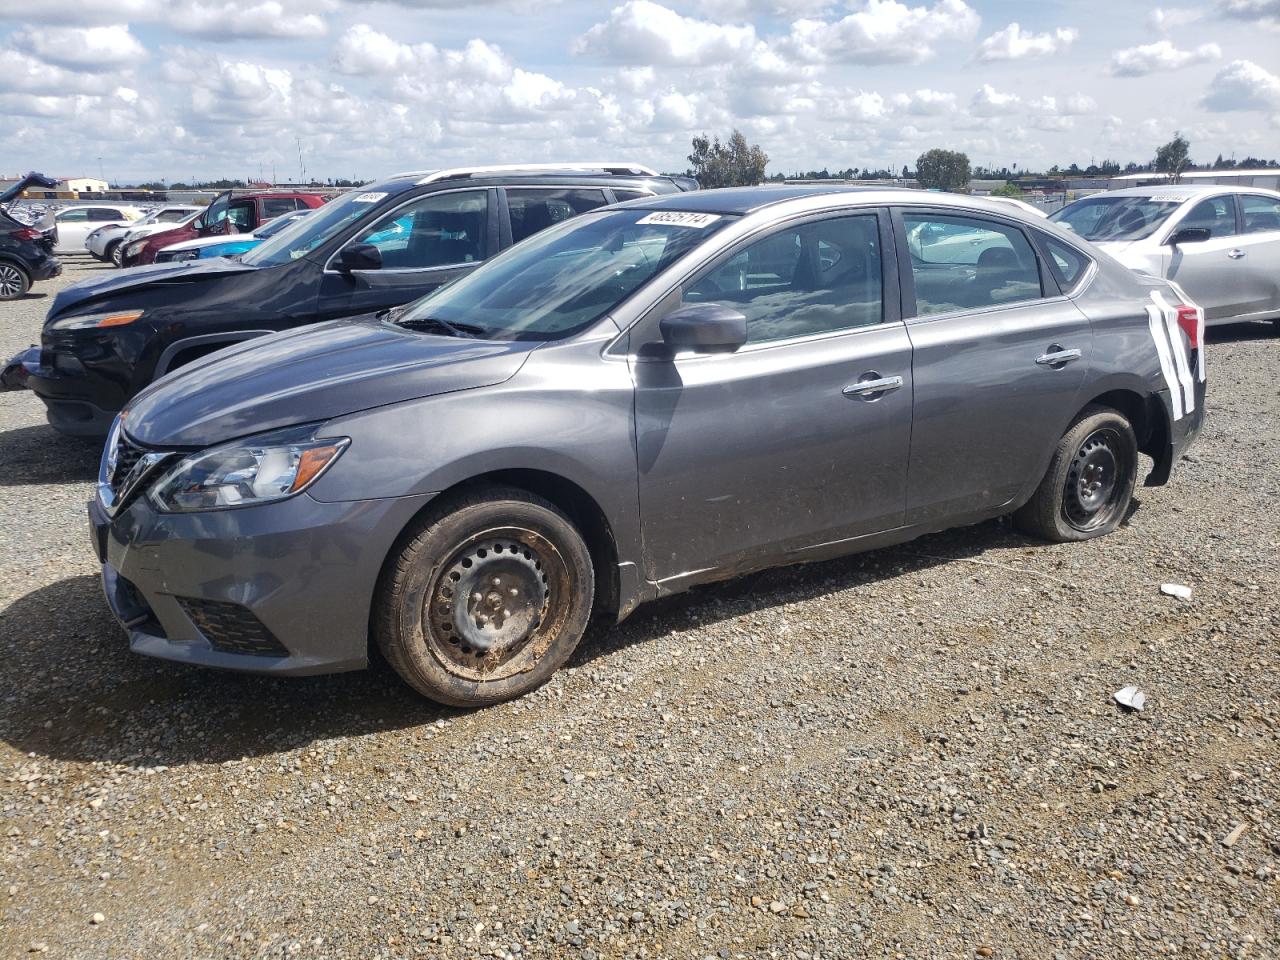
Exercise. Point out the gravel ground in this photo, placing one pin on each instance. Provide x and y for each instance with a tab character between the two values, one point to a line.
909	753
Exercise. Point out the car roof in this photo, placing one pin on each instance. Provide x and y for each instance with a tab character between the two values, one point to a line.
1183	191
743	200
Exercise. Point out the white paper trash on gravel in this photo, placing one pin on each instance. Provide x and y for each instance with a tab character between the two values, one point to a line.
1131	697
1176	590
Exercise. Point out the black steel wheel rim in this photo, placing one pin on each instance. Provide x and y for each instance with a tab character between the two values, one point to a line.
497	604
1096	480
10	280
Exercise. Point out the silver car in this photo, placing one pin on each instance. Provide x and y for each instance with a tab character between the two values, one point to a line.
1219	244
649	396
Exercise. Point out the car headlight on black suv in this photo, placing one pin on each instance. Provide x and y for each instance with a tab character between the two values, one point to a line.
244	473
89	321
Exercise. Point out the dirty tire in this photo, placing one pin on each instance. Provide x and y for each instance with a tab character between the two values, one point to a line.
14	281
1089	484
483	599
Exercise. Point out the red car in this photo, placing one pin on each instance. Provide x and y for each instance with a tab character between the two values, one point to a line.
226	214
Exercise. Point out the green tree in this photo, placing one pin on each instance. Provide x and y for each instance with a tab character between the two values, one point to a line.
1008	190
1172	158
943	170
732	164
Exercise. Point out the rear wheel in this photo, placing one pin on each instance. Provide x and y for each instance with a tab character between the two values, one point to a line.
1088	487
485	602
14	281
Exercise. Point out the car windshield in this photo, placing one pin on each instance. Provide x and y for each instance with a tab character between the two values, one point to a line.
563	279
305	234
278	225
1117	218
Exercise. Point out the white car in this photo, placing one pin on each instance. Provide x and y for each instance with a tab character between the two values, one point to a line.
106	241
1220	244
75	223
1020	204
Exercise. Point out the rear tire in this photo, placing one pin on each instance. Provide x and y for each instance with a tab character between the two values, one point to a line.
1088	487
484	602
14	281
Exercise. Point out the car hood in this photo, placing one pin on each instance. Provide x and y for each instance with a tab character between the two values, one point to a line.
311	374
122	281
146	229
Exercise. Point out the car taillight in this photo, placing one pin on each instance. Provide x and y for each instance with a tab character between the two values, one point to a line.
26	233
1189	321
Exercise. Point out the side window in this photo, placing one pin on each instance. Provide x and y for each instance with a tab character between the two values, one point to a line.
273	207
1261	214
966	263
241	216
1217	214
73	216
438	230
813	278
534	210
1067	263
620	194
173	216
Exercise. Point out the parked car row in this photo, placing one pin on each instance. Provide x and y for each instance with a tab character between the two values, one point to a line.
464	412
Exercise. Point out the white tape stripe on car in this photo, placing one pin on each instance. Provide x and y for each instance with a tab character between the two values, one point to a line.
1155	320
1181	361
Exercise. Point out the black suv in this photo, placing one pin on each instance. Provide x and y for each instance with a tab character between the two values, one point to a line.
376	247
26	252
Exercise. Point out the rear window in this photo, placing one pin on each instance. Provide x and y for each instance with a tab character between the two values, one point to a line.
1067	263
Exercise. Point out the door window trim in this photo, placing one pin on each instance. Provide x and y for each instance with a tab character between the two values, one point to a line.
490	244
1049	289
890	306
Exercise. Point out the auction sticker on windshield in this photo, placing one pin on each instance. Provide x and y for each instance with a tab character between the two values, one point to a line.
677	218
368	198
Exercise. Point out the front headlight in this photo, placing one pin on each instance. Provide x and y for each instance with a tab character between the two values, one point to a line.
135	248
109	318
244	473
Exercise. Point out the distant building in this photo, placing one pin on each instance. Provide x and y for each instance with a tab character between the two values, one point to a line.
68	188
1265	177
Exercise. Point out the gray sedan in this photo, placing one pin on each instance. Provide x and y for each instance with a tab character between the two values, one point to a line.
650	396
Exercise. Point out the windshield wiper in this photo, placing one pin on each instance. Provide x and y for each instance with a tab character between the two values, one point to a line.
435	323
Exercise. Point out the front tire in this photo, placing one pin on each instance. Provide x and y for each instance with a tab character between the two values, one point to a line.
485	602
1088	487
14	281
115	253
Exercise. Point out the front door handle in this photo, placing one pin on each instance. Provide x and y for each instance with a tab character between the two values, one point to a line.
1235	253
1058	357
873	387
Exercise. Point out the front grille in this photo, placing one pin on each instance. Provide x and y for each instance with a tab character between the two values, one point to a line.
231	628
127	456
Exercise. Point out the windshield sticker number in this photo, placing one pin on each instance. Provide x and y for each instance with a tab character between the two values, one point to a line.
1166	198
677	218
368	197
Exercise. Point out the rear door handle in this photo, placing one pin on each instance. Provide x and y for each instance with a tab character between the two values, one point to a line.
872	388
1235	253
1058	357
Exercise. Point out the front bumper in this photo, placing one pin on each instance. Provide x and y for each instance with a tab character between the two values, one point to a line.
303	571
74	402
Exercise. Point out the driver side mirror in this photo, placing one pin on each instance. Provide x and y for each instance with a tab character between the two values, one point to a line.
704	328
360	256
1189	235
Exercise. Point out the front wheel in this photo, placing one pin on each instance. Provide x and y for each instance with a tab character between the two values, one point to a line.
115	253
14	281
485	602
1089	484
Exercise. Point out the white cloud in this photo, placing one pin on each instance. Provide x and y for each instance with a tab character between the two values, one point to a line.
211	19
1165	19
22	73
647	33
1161	55
1012	43
91	49
1265	12
925	103
882	31
1243	85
